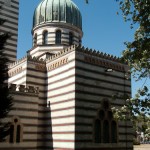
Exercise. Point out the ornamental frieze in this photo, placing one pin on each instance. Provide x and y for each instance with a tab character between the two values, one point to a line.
15	71
57	64
103	63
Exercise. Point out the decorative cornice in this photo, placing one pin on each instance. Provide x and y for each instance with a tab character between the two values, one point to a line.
84	50
79	48
61	53
97	54
17	62
26	58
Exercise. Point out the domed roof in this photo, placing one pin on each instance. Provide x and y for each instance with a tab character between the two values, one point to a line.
57	11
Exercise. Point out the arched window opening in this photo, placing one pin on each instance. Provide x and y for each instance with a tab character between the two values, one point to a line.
113	132
58	37
105	127
18	133
106	131
70	38
35	40
15	131
11	138
45	37
97	131
80	41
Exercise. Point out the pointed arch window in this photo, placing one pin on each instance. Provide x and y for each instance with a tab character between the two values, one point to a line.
97	131
18	132
105	127
45	37
114	132
15	131
106	132
58	37
11	138
70	38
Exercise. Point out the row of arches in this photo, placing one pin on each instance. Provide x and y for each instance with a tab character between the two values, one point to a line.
15	131
105	131
105	127
58	37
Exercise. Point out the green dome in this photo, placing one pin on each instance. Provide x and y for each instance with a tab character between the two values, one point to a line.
57	11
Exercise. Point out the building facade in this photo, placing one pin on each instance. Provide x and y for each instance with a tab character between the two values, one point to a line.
9	11
63	91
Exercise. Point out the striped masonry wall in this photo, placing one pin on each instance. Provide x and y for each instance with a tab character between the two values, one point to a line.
92	85
18	73
10	11
36	76
52	28
72	86
51	47
33	73
61	96
25	106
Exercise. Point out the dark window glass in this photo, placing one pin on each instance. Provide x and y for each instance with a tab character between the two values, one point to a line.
80	41
106	131
97	131
101	114
35	39
70	38
58	37
18	134
45	37
11	139
113	132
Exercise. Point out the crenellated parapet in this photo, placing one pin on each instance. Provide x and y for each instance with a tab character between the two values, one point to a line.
61	53
12	65
86	51
26	58
102	59
97	54
23	88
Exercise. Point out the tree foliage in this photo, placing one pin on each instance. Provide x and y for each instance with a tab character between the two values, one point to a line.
5	98
137	52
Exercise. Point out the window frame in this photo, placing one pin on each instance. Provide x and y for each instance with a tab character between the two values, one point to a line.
58	36
16	134
71	37
107	117
45	37
35	39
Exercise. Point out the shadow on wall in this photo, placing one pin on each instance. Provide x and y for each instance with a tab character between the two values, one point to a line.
45	140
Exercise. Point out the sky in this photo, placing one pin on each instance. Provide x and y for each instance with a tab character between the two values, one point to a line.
103	29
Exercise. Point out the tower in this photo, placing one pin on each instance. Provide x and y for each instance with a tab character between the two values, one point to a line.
57	24
9	11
